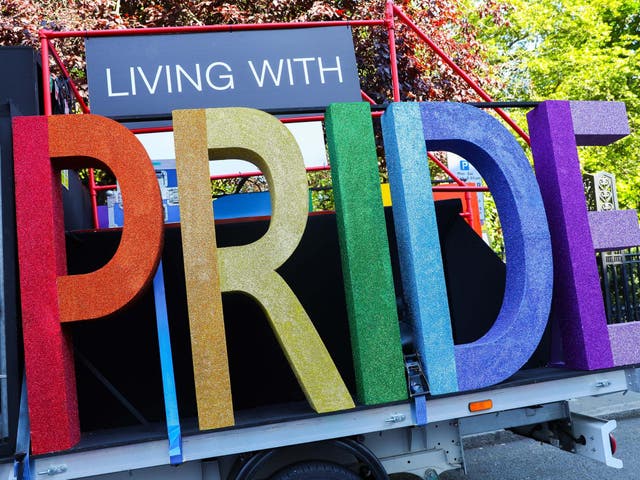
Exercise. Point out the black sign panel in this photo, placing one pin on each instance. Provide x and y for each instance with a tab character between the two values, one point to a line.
143	75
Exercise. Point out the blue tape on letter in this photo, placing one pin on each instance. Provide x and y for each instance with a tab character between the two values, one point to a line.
23	469
420	405
166	364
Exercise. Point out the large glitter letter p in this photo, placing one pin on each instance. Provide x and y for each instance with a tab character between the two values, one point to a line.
42	146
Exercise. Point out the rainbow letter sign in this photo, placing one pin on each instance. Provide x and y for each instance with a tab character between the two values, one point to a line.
547	239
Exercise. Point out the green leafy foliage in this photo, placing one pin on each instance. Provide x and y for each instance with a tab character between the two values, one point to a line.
576	50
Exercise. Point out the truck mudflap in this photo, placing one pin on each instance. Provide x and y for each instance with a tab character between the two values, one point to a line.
572	432
594	439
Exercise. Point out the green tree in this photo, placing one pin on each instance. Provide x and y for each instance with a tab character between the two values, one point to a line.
576	50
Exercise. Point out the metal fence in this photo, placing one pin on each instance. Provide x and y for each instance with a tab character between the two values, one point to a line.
620	277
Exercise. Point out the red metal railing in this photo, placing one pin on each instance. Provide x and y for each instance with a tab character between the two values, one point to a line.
389	22
461	73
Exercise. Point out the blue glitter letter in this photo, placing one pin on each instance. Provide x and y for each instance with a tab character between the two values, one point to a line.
417	233
485	143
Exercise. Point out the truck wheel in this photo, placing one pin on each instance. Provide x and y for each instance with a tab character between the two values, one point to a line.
315	471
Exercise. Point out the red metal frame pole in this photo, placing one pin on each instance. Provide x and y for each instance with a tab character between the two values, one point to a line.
309	118
101	188
212	28
93	192
46	73
367	98
407	21
393	59
455	188
136	131
468	213
94	198
65	72
444	168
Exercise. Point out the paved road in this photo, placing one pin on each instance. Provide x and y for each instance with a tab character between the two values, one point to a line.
505	456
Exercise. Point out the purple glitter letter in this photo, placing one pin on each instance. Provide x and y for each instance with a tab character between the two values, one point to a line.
556	127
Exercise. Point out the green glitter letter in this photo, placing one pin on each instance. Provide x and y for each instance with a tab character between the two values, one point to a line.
371	302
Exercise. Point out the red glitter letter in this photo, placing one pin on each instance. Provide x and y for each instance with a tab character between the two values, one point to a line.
48	295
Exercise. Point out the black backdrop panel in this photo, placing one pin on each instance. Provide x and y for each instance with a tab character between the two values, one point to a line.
19	82
9	303
19	95
124	348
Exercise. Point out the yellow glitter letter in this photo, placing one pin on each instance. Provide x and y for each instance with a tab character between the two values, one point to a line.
204	302
261	139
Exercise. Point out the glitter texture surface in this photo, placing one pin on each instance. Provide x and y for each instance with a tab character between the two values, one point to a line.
425	292
364	249
599	123
262	139
577	305
484	142
48	352
73	141
614	230
204	299
625	339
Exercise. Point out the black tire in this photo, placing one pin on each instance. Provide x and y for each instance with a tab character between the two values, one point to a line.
315	470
